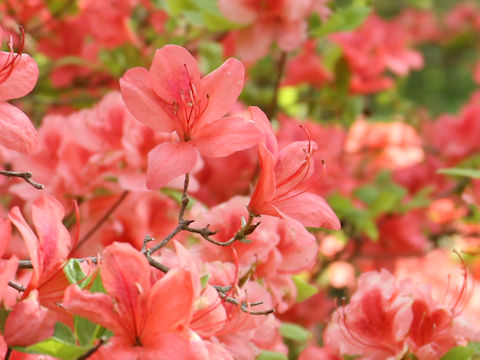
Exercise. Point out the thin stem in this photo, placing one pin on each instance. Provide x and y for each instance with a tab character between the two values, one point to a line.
280	69
103	219
27	176
27	264
16	286
92	350
244	306
8	353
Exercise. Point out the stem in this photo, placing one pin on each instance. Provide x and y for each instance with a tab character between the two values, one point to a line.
27	176
92	350
103	219
16	286
8	353
280	69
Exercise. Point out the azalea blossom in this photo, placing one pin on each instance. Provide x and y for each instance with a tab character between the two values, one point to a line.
18	76
171	96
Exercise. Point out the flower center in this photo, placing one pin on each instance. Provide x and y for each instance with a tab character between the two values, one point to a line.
12	60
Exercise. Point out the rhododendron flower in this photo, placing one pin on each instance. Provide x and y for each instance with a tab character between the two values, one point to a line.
173	97
282	188
18	76
148	321
8	268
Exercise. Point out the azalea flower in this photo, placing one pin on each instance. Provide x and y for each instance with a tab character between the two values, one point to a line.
18	76
171	96
282	188
148	321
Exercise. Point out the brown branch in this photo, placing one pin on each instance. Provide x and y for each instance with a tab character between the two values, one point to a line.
92	350
244	306
103	219
16	286
8	353
280	69
27	176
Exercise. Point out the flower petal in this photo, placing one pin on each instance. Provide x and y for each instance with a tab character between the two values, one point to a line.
265	125
16	130
168	161
142	102
265	189
173	72
237	11
226	136
222	88
310	209
22	79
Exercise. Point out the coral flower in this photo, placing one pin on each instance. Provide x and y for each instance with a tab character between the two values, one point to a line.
173	97
282	188
18	76
148	322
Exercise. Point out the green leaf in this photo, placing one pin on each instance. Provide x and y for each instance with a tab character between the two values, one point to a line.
175	7
85	331
367	193
204	280
3	318
304	289
74	272
295	332
470	173
344	19
459	353
270	355
61	345
97	285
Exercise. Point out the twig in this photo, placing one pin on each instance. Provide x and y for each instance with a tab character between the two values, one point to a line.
27	176
244	306
103	219
16	286
8	353
151	260
92	350
27	264
280	69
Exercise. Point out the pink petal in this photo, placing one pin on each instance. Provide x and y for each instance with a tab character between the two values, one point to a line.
254	42
187	262
22	79
237	11
291	35
173	72
222	87
31	242
170	305
16	130
96	307
5	232
142	102
265	189
310	209
168	161
29	323
54	238
265	125
8	269
126	277
226	136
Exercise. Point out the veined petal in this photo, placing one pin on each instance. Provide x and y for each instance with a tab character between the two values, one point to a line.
96	307
54	238
170	305
16	130
168	161
126	277
173	72
265	125
142	102
31	242
22	79
222	87
310	209
226	136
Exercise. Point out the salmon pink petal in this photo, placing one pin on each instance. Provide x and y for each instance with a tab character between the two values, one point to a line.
168	161
142	102
5	232
29	323
170	305
265	189
16	130
222	88
265	125
237	11
187	262
173	72
125	275
22	79
8	268
310	209
249	50
291	35
96	307
54	238
31	242
226	136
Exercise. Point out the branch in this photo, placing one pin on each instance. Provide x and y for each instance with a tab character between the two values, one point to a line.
27	176
92	350
16	286
103	219
280	69
244	306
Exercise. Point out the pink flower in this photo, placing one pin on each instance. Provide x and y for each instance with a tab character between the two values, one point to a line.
18	76
282	188
173	97
148	321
